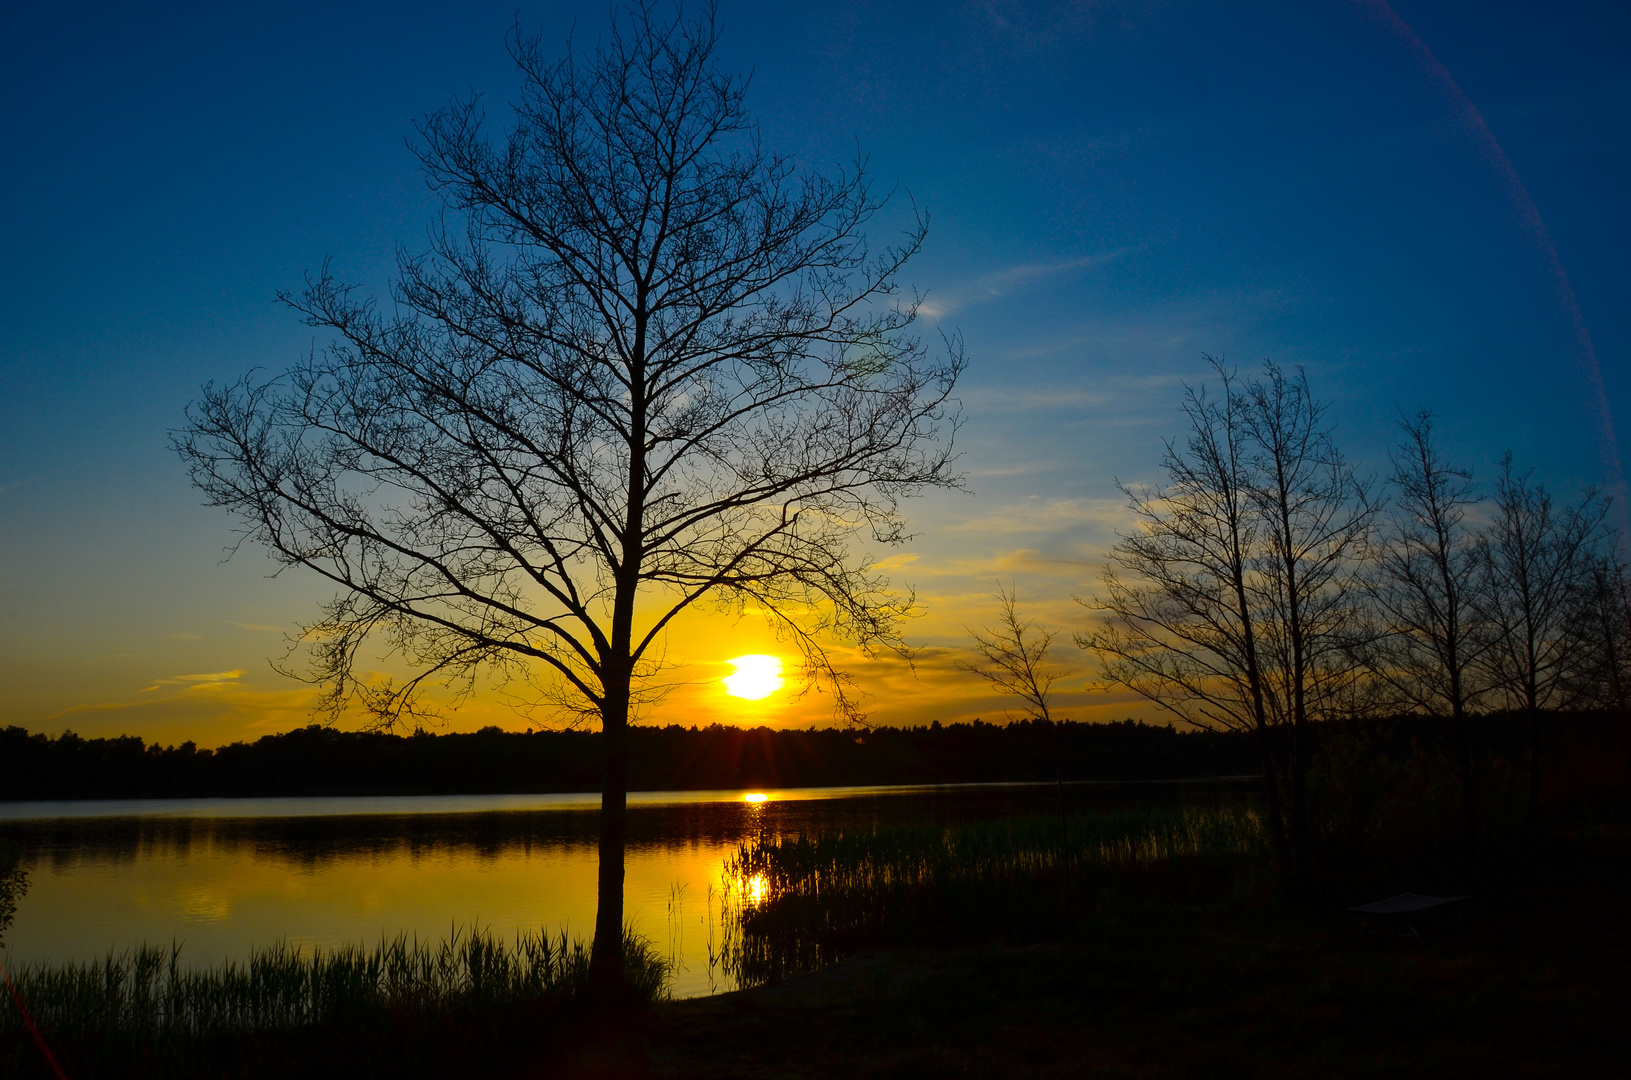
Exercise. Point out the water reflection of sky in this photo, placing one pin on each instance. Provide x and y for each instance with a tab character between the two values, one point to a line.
221	877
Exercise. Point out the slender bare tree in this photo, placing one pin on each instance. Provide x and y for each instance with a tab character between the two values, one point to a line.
1180	604
1013	657
1316	517
1537	556
1425	580
645	363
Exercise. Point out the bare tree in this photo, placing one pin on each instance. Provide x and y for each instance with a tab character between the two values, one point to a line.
1537	556
1013	657
1425	583
1180	603
645	363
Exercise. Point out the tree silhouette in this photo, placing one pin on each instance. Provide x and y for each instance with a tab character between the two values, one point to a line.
1538	558
1234	603
1013	657
1601	629
1316	519
644	363
1425	585
1179	604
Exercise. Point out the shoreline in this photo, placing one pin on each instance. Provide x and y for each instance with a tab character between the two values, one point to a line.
443	803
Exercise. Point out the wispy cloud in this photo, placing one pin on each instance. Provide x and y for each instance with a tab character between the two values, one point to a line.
1008	398
1162	335
205	681
208	712
259	628
1011	281
1035	515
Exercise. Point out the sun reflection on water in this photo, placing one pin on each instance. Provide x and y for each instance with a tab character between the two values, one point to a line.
755	890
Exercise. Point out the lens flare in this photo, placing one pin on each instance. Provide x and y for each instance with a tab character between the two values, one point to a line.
756	677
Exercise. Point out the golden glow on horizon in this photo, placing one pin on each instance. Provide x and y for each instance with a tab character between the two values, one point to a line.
756	677
756	797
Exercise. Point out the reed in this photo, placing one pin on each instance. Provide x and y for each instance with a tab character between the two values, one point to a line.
147	1005
793	903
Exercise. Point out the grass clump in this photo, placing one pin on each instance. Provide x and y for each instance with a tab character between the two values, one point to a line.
351	1010
794	903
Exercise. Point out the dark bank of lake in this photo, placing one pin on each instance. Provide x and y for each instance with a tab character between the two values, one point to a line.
222	876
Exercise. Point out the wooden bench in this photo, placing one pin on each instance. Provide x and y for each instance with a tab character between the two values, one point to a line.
1406	909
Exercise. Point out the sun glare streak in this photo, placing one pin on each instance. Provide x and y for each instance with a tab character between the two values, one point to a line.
755	798
756	677
1483	137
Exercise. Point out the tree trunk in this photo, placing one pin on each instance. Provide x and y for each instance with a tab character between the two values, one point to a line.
1254	679
1298	773
1622	715
1271	798
617	681
606	956
1469	798
1532	715
1299	793
1458	700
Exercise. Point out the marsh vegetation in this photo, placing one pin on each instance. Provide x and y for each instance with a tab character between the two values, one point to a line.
794	903
285	1010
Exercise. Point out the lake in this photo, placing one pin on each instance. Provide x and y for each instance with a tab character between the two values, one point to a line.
221	876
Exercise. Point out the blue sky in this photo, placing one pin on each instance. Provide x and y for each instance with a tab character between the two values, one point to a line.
1115	188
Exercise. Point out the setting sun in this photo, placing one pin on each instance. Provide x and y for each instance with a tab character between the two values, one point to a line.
756	676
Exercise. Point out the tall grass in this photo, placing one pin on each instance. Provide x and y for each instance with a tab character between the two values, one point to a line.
793	903
147	1006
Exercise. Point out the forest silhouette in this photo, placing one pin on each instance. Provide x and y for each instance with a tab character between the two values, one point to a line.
318	760
324	761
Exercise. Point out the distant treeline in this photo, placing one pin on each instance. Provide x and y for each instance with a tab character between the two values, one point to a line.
325	761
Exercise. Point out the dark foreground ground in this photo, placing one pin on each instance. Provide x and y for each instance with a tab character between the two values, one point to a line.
1536	981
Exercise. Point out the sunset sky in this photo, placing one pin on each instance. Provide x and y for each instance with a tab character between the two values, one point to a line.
1424	205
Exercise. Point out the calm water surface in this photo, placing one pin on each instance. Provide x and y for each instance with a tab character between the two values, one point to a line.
222	876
